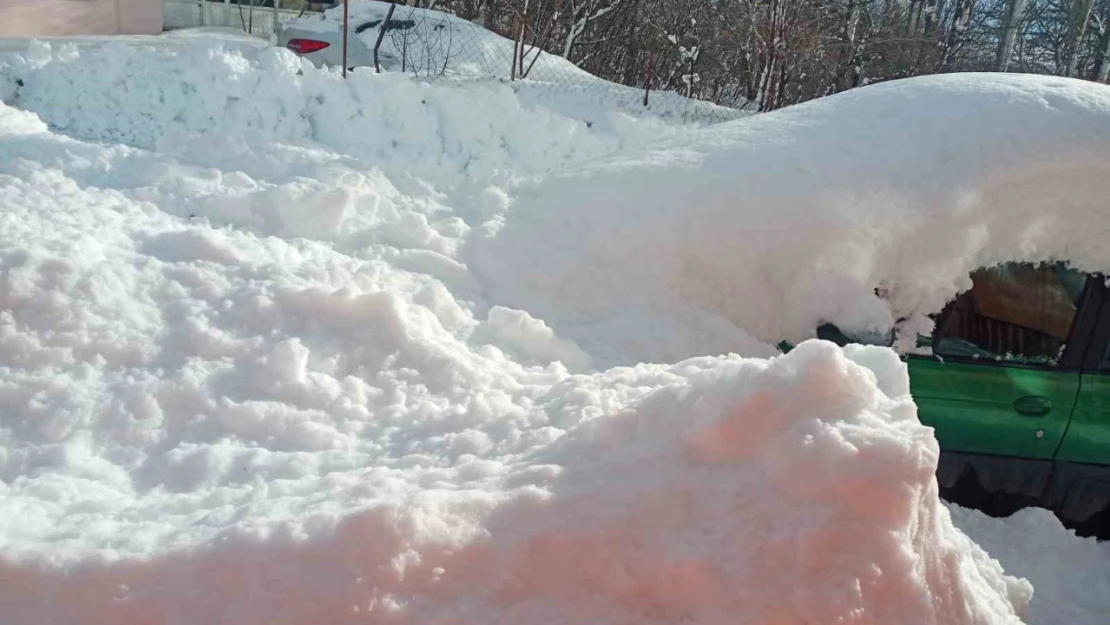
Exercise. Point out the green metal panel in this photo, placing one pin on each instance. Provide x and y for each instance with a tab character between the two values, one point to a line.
1088	437
993	409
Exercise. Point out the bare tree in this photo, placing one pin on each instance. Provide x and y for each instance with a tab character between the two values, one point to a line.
1078	17
1012	17
767	54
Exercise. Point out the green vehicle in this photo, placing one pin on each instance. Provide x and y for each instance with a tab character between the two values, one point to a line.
1018	391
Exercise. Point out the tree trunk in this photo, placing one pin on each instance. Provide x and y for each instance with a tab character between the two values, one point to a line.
1077	27
961	18
851	27
1102	70
1011	19
913	17
931	11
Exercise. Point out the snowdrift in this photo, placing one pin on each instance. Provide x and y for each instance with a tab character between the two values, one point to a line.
187	100
776	223
247	377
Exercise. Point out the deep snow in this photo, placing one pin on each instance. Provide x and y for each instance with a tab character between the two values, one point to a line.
248	374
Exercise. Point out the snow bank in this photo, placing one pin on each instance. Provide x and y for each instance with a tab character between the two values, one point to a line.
778	222
198	433
207	424
191	100
274	145
247	376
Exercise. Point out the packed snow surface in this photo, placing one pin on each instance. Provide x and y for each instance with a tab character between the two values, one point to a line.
249	374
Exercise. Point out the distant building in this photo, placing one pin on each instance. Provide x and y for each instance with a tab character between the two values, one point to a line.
51	18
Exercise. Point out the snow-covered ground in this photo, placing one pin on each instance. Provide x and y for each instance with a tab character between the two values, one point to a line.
277	347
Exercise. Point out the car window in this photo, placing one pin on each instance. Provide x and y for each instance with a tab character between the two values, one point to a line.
1019	313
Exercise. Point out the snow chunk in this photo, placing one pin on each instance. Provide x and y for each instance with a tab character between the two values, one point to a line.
529	339
14	122
188	245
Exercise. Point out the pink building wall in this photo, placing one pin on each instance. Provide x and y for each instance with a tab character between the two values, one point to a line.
51	18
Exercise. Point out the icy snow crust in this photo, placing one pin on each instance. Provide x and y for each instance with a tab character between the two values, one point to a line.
248	375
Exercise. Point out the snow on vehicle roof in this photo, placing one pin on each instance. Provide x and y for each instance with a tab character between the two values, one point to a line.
775	223
248	376
360	11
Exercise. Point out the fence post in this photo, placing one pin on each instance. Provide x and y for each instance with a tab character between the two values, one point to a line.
381	35
203	12
650	74
346	21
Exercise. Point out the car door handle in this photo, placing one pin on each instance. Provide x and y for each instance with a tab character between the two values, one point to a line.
1033	405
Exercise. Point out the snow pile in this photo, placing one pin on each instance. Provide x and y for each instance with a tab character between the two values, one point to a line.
196	100
207	426
280	147
247	374
776	223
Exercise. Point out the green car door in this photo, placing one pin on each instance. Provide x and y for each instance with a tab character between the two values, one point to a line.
1079	488
1088	436
1005	376
994	410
